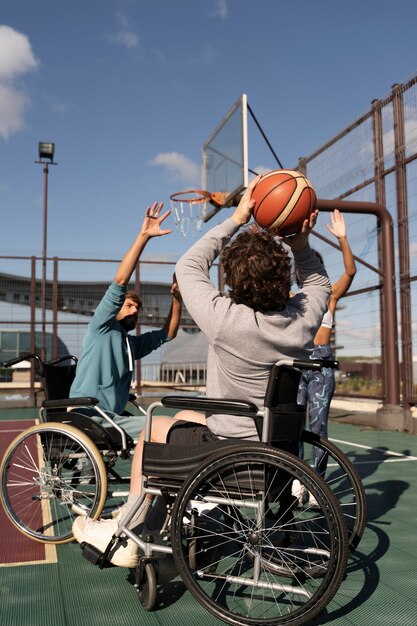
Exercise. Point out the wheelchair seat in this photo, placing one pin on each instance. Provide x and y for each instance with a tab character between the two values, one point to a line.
104	438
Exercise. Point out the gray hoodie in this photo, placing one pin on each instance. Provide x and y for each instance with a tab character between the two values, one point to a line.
243	343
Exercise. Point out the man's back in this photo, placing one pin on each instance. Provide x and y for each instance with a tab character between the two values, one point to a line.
243	343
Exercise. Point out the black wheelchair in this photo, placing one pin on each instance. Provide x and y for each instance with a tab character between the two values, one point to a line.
240	543
67	464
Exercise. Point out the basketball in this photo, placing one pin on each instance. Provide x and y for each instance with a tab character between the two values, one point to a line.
283	200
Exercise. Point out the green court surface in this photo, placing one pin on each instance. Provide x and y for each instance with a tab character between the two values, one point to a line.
379	587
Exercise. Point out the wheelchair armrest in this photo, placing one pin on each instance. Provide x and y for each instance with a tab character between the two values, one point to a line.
66	402
211	405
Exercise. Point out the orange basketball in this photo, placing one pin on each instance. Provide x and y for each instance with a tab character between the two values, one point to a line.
283	200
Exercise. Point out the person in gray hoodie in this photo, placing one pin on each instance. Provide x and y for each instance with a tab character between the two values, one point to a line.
248	329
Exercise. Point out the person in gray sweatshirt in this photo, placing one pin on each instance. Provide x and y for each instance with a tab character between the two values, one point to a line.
248	329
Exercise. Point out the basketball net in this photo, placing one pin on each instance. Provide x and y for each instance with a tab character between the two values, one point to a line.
189	209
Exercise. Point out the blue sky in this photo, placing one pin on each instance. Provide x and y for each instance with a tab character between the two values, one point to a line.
130	89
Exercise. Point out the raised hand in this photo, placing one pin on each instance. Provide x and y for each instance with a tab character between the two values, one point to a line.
299	241
243	211
338	227
151	226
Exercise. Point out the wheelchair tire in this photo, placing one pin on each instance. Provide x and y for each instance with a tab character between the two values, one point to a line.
345	483
262	560
147	588
50	472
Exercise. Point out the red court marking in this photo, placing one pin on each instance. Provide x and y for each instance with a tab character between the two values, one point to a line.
16	548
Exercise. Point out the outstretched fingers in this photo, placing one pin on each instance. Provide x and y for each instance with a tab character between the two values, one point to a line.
154	219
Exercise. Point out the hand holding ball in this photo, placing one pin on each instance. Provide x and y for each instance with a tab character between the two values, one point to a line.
283	200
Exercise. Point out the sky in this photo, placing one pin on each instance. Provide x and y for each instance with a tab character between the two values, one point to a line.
129	90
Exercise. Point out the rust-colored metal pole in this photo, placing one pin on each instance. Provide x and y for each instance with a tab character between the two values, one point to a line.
32	348
390	327
403	245
44	248
55	309
138	368
380	198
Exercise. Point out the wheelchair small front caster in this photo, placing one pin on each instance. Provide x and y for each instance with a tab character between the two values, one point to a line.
146	584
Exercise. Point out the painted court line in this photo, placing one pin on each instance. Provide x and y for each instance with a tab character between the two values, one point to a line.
17	547
402	457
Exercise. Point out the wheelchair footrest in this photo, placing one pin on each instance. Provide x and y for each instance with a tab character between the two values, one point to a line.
92	554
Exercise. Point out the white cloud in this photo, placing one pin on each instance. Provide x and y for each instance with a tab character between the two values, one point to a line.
123	36
179	166
16	58
206	56
13	106
57	105
221	11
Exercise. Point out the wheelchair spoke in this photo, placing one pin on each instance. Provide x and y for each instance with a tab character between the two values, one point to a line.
46	472
256	556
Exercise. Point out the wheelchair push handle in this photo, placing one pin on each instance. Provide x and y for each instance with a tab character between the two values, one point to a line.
60	359
25	356
316	364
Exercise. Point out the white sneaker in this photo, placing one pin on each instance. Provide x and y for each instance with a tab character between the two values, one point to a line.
300	492
312	502
99	533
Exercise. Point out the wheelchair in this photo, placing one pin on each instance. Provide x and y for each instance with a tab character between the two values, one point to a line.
241	545
66	465
69	464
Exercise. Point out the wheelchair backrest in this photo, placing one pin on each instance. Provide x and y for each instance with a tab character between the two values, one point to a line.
282	386
57	380
286	418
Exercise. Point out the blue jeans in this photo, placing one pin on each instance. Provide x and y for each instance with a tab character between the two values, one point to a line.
317	388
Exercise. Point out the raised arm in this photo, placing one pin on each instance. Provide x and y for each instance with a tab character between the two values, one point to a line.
173	320
151	227
338	230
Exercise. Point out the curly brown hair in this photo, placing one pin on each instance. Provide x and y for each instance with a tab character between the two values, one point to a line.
257	270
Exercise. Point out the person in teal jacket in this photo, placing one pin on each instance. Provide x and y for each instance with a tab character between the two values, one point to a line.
108	354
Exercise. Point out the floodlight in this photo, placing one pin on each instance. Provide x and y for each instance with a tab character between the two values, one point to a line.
46	150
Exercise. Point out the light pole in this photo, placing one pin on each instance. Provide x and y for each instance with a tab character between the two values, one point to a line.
46	156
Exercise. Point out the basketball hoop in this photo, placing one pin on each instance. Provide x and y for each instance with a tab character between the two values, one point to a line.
189	209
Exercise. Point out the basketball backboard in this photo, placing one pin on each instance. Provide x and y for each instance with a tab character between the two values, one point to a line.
225	156
224	172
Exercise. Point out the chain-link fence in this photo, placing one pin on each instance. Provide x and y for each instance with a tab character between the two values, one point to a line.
48	315
374	161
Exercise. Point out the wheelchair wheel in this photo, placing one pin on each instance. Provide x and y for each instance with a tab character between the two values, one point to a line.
344	481
147	588
259	559
50	473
